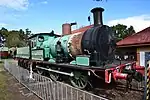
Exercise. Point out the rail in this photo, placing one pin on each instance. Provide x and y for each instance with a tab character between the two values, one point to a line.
45	88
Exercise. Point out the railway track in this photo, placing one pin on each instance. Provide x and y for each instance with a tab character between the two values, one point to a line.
117	91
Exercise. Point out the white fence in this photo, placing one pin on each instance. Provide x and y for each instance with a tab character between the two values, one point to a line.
46	89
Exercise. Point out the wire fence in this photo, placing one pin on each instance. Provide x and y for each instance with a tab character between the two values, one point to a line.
45	88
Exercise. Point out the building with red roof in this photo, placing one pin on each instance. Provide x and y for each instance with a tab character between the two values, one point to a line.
138	43
139	39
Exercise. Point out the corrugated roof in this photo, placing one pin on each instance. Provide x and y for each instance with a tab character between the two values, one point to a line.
83	29
140	38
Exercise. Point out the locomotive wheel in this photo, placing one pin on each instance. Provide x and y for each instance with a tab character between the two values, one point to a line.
79	80
52	75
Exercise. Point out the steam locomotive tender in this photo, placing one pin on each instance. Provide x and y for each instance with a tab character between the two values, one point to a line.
75	57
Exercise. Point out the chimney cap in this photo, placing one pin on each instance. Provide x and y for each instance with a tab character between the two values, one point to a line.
66	24
97	9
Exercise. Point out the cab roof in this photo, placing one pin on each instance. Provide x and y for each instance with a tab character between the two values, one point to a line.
49	34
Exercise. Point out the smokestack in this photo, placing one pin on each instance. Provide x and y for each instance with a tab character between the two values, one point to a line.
66	28
97	14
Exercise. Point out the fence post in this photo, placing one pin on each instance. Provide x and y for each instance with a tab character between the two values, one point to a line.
18	72
31	76
5	64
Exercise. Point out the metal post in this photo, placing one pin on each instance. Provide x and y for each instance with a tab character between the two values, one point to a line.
19	79
147	82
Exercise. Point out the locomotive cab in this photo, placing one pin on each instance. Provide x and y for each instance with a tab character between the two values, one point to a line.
39	45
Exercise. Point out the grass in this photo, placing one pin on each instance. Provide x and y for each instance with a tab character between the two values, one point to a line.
4	94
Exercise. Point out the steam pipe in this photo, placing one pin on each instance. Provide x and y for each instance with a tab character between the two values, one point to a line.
75	23
97	15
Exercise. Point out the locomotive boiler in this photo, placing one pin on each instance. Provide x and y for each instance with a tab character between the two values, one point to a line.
75	57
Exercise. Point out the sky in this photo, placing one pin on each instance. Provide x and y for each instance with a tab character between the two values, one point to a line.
47	15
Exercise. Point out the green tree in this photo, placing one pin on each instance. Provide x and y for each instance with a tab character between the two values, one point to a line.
4	31
131	30
122	31
22	34
14	37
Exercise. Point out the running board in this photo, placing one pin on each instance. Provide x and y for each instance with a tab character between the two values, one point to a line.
51	70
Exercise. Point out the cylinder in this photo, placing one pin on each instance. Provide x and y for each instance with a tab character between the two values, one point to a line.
97	15
66	29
